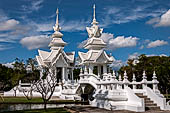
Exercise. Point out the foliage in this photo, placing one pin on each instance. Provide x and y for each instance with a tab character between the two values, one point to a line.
10	76
76	73
161	65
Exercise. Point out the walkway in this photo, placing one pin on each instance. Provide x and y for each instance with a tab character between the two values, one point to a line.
89	109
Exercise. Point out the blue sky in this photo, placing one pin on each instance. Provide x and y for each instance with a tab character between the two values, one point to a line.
131	27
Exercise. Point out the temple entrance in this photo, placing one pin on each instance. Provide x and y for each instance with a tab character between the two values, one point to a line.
88	93
59	74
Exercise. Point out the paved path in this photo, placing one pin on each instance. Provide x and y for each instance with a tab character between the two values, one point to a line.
89	109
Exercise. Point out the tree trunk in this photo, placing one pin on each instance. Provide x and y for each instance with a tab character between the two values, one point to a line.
45	105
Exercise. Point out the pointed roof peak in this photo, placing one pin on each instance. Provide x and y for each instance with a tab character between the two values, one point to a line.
57	27
57	12
94	15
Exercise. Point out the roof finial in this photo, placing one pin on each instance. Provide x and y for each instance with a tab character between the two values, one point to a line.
57	12
94	15
57	27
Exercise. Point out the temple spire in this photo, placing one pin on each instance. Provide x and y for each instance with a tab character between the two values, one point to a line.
57	27
94	15
57	12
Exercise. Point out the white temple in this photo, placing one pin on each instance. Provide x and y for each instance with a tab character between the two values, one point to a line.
57	58
103	88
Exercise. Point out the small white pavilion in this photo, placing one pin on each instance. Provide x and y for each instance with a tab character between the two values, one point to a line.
96	57
62	62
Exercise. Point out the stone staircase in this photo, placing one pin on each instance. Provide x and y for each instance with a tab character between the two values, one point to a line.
149	104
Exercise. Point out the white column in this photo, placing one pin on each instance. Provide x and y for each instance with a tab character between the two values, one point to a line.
90	69
72	74
63	74
85	69
134	81
99	70
104	69
66	74
144	81
155	82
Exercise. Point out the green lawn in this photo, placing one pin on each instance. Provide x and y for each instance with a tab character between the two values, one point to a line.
167	96
24	100
55	110
20	99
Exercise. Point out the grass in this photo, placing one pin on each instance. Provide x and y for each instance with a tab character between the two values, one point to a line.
51	110
20	99
35	100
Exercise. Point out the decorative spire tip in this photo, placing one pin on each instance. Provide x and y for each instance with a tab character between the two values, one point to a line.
94	15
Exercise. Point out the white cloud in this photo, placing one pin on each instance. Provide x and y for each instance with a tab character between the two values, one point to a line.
134	56
114	43
156	55
8	24
3	16
106	37
119	15
162	21
9	65
153	20
4	47
75	25
117	64
35	5
35	42
15	34
141	47
122	41
118	42
44	27
67	26
156	43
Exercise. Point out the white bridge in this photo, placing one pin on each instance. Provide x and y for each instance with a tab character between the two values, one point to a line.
117	94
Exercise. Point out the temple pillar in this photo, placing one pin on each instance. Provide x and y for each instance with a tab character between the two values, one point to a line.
105	69
99	70
63	74
66	74
85	69
90	69
72	78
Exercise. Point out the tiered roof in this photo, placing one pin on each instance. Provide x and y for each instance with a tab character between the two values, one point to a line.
57	53
57	41
95	44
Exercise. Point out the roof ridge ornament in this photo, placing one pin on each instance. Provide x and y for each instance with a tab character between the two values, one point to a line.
94	31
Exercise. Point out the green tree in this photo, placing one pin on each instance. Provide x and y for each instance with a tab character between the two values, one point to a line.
161	64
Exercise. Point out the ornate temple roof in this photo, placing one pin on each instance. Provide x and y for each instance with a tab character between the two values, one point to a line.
95	57
50	57
57	53
57	40
94	33
95	44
